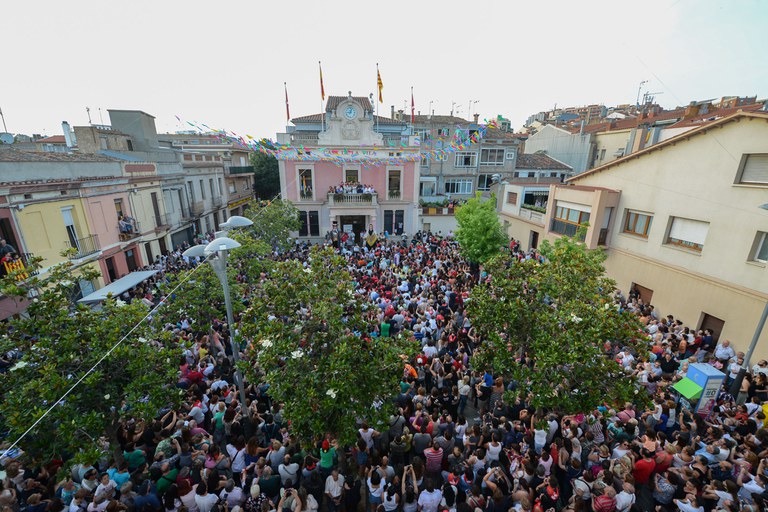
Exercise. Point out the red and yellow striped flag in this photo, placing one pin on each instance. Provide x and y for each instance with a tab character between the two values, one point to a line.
379	84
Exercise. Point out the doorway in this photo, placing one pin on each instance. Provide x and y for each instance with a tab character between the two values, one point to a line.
533	242
712	323
148	249
646	294
130	260
110	262
353	224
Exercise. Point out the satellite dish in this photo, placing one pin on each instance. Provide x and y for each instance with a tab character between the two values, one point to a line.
6	138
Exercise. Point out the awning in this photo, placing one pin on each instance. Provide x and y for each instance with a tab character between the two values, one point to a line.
118	287
688	388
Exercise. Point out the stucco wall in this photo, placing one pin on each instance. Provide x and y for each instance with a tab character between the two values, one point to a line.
571	149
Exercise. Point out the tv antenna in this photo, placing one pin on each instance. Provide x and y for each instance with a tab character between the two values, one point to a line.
88	111
648	97
640	88
5	128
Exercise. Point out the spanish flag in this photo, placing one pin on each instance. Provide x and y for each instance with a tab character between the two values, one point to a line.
379	83
322	89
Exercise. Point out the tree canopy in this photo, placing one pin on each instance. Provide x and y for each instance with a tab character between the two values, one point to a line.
480	233
266	175
552	326
59	343
273	222
312	346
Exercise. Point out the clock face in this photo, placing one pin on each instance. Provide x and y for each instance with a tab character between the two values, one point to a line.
350	112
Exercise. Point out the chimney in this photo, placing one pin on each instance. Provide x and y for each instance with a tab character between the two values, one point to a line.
477	116
399	115
392	116
67	133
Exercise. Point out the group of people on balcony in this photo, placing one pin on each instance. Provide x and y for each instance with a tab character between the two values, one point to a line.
126	225
351	187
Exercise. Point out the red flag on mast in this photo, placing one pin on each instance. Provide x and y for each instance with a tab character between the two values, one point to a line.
287	109
322	89
379	83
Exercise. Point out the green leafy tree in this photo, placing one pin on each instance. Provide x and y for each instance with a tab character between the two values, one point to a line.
273	223
60	342
311	344
480	234
549	326
266	175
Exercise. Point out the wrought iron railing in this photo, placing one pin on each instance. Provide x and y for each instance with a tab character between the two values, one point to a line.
83	247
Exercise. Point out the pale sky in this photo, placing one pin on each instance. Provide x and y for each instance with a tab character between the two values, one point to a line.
224	63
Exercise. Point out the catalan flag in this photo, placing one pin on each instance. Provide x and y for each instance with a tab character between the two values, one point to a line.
379	84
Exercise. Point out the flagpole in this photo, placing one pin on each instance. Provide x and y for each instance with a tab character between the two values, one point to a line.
322	98
287	108
377	97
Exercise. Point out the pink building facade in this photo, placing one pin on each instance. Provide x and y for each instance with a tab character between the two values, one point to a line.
376	154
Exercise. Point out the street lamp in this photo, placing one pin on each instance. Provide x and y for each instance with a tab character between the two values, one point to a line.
217	252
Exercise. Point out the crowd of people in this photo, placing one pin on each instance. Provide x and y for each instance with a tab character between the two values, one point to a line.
352	187
454	442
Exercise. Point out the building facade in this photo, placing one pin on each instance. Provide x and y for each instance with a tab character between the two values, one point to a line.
348	128
684	222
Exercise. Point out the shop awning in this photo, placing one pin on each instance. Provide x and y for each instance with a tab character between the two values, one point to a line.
688	388
118	287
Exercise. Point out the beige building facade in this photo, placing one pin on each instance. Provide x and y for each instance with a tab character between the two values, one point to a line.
688	229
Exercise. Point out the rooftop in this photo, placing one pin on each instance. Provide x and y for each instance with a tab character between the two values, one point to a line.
15	155
539	161
333	102
53	139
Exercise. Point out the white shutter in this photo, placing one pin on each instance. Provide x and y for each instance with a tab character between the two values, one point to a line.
755	169
67	214
575	206
687	230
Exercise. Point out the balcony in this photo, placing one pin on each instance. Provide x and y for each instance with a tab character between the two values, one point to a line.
240	169
129	230
17	264
353	199
83	247
531	214
217	201
197	208
304	139
564	228
394	195
162	222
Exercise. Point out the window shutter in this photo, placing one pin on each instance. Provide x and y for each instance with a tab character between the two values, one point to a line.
755	169
575	206
693	231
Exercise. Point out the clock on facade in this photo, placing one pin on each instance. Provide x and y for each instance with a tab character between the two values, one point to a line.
350	112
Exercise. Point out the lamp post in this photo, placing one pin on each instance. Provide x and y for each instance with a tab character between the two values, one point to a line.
220	247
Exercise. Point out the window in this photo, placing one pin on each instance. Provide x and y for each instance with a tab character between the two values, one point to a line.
232	187
310	223
466	159
69	225
636	223
393	184
521	174
760	248
492	156
305	184
221	187
687	233
753	170
210	184
428	187
484	182
202	190
393	221
511	197
602	154
191	189
425	160
568	217
458	186
119	207
351	175
511	154
130	144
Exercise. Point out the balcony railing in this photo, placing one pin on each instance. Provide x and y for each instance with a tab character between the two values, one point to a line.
130	231
217	200
353	199
197	208
83	247
531	215
18	264
394	194
304	139
240	169
162	222
564	228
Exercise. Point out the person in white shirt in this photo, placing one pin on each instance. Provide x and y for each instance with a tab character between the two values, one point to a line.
289	472
334	485
626	498
724	351
430	498
203	499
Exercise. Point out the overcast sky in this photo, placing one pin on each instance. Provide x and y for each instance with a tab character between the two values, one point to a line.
224	63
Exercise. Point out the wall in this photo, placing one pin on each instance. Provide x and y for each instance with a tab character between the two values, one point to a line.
694	178
571	149
42	226
611	142
439	223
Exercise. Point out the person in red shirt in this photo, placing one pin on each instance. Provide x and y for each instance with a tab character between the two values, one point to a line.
644	468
